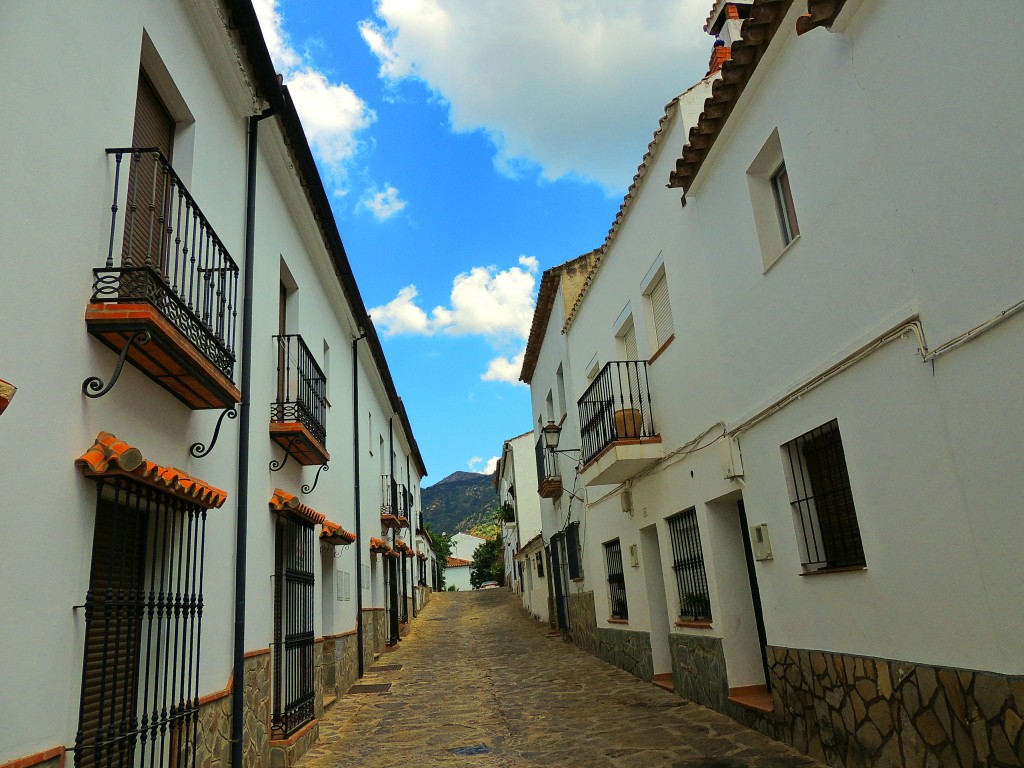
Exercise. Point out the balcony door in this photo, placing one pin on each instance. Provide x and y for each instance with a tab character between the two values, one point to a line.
149	185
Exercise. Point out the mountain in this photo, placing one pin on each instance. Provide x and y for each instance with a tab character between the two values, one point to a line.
460	501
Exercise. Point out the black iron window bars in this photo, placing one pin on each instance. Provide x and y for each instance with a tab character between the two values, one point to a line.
688	565
171	258
616	580
293	690
389	496
616	406
143	623
819	485
301	388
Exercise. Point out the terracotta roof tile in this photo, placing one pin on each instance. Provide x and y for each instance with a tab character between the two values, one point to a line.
7	391
379	545
286	502
457	562
110	456
333	533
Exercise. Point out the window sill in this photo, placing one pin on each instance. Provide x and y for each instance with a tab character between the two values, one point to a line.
661	349
618	621
837	569
768	267
577	580
693	624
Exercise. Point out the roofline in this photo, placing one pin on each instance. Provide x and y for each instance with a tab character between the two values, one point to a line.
270	86
756	35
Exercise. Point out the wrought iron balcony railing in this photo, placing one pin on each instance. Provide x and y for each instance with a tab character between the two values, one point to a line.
389	496
301	388
616	406
171	258
549	478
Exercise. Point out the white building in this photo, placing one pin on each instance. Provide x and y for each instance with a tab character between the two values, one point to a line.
519	505
158	184
800	479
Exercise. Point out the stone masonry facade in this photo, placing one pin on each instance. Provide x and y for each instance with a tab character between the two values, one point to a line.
851	711
847	711
626	649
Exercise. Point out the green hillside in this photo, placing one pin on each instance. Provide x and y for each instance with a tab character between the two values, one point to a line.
460	501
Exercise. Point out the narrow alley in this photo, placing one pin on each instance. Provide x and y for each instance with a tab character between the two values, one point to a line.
478	683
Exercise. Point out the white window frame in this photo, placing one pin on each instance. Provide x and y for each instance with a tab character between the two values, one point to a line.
776	233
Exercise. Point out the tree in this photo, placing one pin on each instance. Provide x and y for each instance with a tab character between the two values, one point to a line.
442	543
488	564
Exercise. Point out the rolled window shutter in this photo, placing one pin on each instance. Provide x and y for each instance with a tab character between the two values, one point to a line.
662	311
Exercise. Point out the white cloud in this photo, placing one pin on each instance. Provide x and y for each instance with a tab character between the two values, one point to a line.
504	369
488	466
331	112
383	204
573	86
401	315
486	301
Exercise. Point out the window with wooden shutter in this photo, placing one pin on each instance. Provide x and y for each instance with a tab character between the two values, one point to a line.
629	343
662	311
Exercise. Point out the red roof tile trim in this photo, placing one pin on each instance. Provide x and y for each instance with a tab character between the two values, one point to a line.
7	391
820	13
457	562
379	545
110	456
286	502
421	556
333	533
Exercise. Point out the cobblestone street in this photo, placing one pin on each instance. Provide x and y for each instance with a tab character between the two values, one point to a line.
481	684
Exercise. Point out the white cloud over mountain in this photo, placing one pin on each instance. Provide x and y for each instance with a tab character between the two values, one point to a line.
574	87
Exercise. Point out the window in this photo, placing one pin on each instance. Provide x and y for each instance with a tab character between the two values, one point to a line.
540	566
140	678
661	311
771	198
823	510
560	388
784	205
688	565
616	580
574	551
293	696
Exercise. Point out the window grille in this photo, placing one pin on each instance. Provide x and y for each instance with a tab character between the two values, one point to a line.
143	622
662	310
293	625
616	580
574	551
559	579
688	565
822	500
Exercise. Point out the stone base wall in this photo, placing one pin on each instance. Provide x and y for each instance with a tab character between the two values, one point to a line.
424	595
286	753
699	675
213	745
626	649
851	711
374	634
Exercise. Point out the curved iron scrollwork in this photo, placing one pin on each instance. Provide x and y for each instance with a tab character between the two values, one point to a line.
199	450
311	488
94	387
276	465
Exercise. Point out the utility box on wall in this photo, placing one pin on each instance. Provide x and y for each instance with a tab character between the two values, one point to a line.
730	456
760	542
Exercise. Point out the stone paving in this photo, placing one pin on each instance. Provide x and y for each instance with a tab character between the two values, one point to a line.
482	684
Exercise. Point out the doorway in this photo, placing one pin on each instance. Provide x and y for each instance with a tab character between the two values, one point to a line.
654	581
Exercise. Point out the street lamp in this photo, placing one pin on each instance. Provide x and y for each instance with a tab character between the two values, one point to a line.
551	433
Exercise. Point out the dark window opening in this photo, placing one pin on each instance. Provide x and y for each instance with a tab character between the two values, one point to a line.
822	499
574	552
616	580
688	565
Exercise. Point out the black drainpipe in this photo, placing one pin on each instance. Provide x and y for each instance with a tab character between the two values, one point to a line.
359	527
238	674
413	561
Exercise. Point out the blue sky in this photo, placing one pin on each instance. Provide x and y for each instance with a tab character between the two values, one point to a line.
468	145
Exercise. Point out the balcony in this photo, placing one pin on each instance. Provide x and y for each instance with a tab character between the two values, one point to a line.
617	433
173	280
299	416
394	503
549	480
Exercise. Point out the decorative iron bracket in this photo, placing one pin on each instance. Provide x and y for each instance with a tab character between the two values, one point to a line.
311	488
276	465
199	450
93	386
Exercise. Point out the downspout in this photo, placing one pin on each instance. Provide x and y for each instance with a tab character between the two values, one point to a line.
241	525
394	629
359	526
413	563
